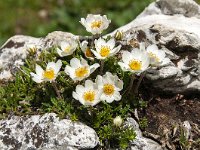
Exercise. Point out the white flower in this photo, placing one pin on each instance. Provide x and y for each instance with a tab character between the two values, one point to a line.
49	74
86	50
135	61
67	47
157	57
117	121
95	23
110	85
88	94
105	49
79	69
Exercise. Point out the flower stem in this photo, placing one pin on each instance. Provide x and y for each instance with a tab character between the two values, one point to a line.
101	67
139	82
131	83
56	89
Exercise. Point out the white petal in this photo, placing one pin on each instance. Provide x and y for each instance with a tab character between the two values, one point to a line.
111	43
59	52
115	50
99	80
119	83
95	102
79	89
64	44
117	96
94	67
58	65
126	56
152	48
36	78
75	95
83	21
51	65
97	55
142	46
75	63
123	66
145	61
39	71
89	84
84	62
99	43
84	46
70	71
108	99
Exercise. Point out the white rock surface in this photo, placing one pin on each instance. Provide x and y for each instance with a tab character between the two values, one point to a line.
174	25
45	132
141	143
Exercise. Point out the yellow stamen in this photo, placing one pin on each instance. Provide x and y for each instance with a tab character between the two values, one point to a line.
152	55
105	51
81	72
67	49
49	74
89	96
108	89
135	65
88	53
96	24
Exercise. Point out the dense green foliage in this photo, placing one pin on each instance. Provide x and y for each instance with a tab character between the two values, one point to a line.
24	96
39	17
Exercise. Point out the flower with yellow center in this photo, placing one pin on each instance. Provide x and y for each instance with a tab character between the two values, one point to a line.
110	86
88	95
67	47
49	74
135	65
79	69
105	49
157	57
95	23
86	50
135	61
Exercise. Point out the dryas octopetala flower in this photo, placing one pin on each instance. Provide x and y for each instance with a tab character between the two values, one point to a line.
88	94
67	47
135	61
95	23
49	74
117	121
157	57
110	85
86	50
79	69
105	49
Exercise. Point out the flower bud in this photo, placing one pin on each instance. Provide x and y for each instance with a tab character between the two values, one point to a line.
118	35
117	121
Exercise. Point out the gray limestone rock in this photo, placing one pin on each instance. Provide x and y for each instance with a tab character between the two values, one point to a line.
45	132
141	143
175	31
